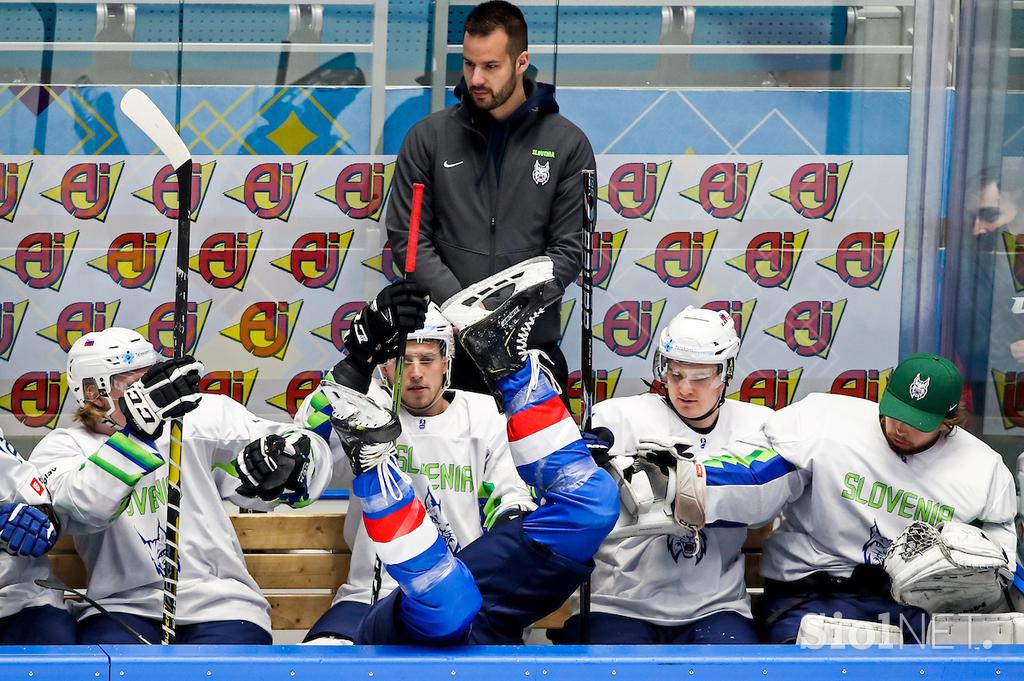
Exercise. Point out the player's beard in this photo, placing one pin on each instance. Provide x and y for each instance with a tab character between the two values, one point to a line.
496	98
905	451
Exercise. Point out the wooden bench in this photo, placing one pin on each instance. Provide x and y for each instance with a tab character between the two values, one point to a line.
299	560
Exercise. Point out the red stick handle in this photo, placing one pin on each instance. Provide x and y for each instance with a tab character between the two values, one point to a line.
414	228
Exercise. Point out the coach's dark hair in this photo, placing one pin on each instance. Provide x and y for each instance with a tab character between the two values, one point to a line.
490	16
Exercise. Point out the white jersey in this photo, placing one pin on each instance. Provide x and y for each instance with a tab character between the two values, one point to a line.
18	590
671	579
449	457
851	495
111	493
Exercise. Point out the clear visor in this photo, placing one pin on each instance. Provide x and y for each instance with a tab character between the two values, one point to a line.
677	373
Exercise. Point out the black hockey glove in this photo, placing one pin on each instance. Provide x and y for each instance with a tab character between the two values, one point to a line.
273	465
168	390
599	441
399	308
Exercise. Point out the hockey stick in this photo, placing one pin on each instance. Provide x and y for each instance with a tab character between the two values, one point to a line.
396	388
141	110
587	348
58	585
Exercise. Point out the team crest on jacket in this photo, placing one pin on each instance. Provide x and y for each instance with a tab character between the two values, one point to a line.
876	547
688	546
541	172
919	387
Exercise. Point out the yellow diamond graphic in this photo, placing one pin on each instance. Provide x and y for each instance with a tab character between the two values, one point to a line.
292	136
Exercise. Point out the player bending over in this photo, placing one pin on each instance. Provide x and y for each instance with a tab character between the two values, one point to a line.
524	569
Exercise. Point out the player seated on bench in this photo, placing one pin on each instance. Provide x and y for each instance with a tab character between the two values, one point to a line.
108	477
884	532
657	581
442	429
519	572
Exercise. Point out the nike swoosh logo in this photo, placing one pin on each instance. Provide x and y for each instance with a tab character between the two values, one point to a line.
446	164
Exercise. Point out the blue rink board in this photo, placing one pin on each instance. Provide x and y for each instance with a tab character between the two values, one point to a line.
524	663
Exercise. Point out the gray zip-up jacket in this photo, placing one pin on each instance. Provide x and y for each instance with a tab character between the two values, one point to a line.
496	194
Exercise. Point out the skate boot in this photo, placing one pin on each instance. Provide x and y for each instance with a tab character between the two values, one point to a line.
367	431
495	316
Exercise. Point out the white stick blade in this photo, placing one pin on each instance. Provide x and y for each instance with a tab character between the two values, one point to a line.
141	110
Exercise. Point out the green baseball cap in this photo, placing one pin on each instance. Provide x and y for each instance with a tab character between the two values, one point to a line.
922	391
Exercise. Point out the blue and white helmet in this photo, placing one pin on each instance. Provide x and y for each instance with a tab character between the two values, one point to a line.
101	355
698	336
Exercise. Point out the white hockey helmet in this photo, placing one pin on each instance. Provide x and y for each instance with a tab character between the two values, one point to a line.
100	355
698	336
437	328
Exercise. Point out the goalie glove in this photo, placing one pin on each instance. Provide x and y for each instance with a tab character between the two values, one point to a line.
27	530
273	465
953	568
399	308
168	390
661	491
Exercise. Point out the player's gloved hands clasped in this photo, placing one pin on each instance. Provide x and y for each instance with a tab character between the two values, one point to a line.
168	390
399	308
664	451
274	465
27	530
599	441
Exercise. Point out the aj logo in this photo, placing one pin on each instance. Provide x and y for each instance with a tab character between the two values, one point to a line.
862	258
340	323
385	264
42	259
771	258
772	388
628	326
225	259
605	256
868	384
725	189
810	327
1010	395
634	189
133	259
87	189
78	319
1014	244
605	383
815	189
299	386
741	312
681	258
270	189
163	193
234	384
160	327
316	259
361	189
36	398
11	316
13	180
265	328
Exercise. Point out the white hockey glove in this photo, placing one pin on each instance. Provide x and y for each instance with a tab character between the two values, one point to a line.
168	390
274	465
661	489
954	568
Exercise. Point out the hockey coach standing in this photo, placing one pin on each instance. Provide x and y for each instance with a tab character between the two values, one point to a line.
502	175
